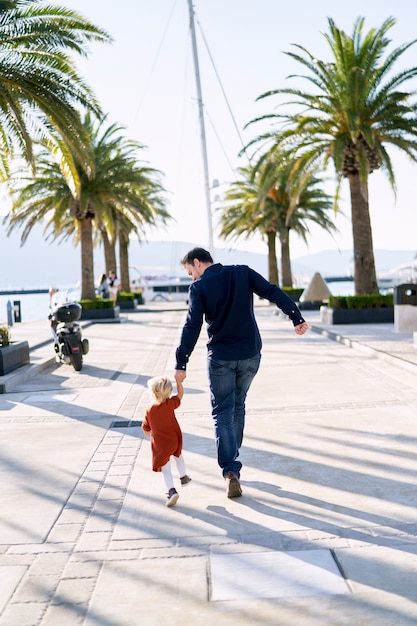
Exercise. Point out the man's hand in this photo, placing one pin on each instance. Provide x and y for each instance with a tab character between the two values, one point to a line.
300	329
180	376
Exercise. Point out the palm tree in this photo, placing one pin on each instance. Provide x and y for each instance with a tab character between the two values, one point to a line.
118	185
41	90
244	200
109	246
263	200
356	108
124	222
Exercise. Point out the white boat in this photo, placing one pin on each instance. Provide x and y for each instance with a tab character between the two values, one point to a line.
403	274
168	288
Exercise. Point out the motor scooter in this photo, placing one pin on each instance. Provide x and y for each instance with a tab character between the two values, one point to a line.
69	345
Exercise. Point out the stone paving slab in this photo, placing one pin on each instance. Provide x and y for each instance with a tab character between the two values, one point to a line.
9	579
39	468
274	575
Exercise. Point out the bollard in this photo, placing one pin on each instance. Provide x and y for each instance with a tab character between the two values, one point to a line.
9	313
17	311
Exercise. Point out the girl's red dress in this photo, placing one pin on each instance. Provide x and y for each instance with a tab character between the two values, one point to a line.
166	438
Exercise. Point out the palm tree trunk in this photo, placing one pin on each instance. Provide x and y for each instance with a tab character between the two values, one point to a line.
272	258
124	261
286	272
109	252
88	291
363	250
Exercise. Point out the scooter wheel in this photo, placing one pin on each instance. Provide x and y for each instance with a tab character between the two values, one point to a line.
76	361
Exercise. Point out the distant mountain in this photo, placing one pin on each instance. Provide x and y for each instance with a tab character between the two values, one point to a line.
340	263
164	257
39	264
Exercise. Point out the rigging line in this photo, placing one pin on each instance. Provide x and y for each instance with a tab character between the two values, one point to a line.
151	71
183	115
223	91
220	142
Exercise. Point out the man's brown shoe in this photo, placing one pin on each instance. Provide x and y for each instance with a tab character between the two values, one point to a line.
233	488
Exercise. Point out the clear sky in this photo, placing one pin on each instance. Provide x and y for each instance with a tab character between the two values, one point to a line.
145	81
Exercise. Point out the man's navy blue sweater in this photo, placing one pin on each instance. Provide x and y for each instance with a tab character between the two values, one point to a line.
223	295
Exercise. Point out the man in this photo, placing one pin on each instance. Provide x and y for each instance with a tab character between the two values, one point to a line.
223	295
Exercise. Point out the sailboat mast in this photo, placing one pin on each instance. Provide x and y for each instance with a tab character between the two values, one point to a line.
202	128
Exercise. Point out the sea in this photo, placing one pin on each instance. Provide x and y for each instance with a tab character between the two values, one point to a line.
342	288
35	307
32	306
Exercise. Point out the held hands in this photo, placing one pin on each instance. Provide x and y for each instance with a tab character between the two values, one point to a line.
180	376
302	328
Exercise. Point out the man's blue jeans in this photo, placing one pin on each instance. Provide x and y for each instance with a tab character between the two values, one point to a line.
229	385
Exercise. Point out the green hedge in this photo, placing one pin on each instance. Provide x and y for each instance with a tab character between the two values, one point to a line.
374	301
97	303
129	296
125	296
293	292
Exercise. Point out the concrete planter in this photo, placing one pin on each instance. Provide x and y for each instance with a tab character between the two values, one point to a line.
357	316
127	305
100	314
13	356
310	306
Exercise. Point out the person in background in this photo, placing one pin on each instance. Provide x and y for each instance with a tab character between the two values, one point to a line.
162	426
223	295
53	304
103	287
114	285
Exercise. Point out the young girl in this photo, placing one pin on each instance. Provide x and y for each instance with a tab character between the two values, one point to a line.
166	437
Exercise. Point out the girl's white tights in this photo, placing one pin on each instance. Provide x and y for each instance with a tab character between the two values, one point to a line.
167	474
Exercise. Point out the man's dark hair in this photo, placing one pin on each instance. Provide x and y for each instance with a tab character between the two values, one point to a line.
197	253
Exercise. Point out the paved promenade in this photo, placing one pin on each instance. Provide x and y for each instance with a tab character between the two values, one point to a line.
325	533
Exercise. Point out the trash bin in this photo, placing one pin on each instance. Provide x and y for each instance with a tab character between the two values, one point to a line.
406	294
405	308
17	311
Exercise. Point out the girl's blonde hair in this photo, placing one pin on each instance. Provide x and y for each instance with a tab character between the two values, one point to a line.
161	388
